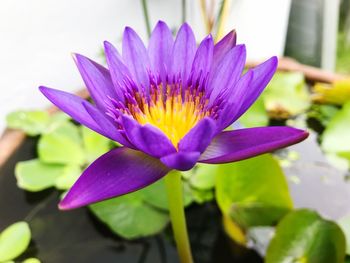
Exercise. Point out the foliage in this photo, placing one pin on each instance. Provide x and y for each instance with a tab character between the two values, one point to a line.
130	216
256	115
344	224
34	122
286	95
64	149
303	236
249	193
14	240
243	191
336	139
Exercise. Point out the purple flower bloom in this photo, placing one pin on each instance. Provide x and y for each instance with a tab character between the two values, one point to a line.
167	104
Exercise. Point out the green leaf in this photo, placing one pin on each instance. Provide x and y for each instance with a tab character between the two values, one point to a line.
130	217
35	176
35	122
286	95
95	144
257	214
62	145
256	115
68	177
303	236
323	113
31	122
336	139
254	191
344	224
203	176
155	195
202	196
14	240
31	260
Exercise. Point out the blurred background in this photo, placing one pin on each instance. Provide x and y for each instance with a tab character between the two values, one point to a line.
37	37
288	206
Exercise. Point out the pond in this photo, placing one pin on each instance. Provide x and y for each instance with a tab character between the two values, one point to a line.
77	236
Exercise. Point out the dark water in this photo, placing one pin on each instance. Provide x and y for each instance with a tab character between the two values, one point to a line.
77	237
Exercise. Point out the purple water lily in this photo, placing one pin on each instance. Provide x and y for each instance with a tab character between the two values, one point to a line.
168	105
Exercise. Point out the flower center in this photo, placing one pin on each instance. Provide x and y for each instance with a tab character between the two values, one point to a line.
175	111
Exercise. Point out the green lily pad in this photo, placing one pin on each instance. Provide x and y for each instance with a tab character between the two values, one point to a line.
336	139
155	195
202	196
323	113
286	95
35	175
256	115
14	240
203	176
257	214
63	146
31	122
303	236
35	122
31	260
130	216
256	186
95	144
68	177
344	224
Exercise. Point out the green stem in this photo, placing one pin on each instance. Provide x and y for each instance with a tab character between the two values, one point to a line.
146	16
177	215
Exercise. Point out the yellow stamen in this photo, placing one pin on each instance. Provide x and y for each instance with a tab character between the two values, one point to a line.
173	115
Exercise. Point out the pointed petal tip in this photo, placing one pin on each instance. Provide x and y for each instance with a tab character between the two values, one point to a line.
129	30
185	26
161	23
63	207
232	146
80	59
117	172
273	61
241	48
107	44
47	91
43	89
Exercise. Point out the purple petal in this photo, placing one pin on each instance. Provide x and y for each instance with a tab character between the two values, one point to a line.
115	173
203	58
160	48
228	72
135	56
73	106
183	52
147	138
234	99
223	47
97	80
119	72
199	137
182	161
262	76
231	146
110	130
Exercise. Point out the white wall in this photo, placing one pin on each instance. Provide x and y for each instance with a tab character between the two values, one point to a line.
37	38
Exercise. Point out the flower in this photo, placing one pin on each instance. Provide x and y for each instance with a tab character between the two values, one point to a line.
168	105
